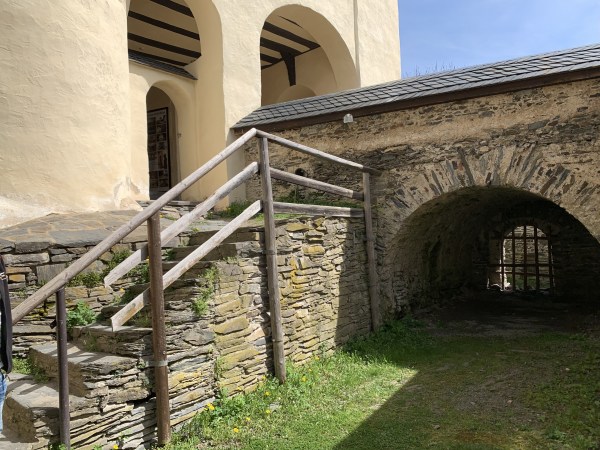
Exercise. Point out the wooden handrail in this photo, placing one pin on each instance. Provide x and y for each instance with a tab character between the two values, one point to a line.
82	263
315	184
317	153
333	211
156	237
182	223
135	305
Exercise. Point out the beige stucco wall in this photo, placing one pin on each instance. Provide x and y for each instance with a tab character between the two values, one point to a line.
73	111
313	71
181	92
63	84
332	24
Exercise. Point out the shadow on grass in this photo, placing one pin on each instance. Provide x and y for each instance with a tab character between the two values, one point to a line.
525	391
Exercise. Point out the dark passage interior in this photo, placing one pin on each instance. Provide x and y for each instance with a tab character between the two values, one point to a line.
493	238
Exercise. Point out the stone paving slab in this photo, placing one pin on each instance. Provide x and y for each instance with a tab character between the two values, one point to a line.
8	441
79	230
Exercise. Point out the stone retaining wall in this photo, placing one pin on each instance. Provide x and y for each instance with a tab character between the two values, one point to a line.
227	348
541	143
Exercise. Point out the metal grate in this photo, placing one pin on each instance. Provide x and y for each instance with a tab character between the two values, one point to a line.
525	260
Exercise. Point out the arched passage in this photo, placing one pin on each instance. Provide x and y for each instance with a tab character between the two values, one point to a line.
449	246
302	55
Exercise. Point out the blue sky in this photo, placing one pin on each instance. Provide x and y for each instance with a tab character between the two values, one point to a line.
444	34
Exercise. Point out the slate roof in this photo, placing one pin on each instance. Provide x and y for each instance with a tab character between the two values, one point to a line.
146	60
423	86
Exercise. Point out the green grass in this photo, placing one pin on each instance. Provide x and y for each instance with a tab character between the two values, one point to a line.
406	389
25	367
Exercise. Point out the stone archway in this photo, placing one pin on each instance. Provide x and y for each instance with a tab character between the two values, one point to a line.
445	247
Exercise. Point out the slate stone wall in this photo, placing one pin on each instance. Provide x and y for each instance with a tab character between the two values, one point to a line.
542	141
324	303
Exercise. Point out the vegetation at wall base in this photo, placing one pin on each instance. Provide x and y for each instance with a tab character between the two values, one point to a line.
80	315
405	387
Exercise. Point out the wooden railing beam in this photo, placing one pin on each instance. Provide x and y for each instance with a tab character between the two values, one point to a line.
159	339
317	210
315	184
82	263
271	256
129	310
371	258
317	153
183	223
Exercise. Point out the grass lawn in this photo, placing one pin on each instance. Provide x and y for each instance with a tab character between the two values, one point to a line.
405	388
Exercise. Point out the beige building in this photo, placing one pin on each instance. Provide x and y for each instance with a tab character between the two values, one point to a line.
103	103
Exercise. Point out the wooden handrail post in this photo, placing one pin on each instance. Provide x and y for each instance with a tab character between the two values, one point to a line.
371	259
64	412
159	342
272	272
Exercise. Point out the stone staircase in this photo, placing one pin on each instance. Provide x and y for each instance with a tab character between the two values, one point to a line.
111	373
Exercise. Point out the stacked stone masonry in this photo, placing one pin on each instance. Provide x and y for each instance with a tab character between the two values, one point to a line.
325	302
456	172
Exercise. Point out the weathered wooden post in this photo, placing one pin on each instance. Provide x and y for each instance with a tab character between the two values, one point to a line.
64	415
159	343
371	259
271	252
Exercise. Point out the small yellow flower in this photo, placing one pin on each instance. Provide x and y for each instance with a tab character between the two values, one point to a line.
210	407
264	377
248	419
121	290
236	430
317	358
267	394
267	412
303	379
116	446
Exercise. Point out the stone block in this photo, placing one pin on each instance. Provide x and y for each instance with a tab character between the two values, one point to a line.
46	273
23	269
230	326
17	278
32	246
26	259
248	288
294	227
231	360
226	308
196	337
313	249
66	257
6	246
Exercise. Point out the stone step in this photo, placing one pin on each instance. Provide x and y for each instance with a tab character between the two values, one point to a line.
244	234
11	441
31	413
127	341
93	374
247	249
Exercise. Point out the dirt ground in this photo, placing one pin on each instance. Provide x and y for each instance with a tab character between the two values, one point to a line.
507	314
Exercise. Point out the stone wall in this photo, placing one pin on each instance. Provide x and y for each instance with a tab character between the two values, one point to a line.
225	347
539	144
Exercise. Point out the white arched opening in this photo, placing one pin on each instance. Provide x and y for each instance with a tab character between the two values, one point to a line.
302	55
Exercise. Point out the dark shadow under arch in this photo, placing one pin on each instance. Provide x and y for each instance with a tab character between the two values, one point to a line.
442	249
